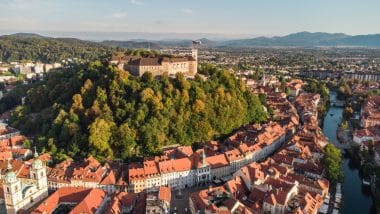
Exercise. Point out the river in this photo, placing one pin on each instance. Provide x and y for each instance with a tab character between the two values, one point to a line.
357	199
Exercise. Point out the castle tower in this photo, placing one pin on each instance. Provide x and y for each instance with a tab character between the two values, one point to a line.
38	172
194	54
12	190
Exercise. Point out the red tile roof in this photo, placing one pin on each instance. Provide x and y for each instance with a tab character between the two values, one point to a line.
91	203
217	161
86	200
164	194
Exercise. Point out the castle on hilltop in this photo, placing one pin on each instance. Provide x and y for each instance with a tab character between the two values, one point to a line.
137	65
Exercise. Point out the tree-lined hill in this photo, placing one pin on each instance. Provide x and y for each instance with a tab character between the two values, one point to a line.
99	110
24	46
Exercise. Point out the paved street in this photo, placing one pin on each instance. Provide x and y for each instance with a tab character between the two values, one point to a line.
179	204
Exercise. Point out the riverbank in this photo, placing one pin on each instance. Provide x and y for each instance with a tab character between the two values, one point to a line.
356	198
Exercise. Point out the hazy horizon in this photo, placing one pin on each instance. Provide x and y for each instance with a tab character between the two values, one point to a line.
152	36
127	19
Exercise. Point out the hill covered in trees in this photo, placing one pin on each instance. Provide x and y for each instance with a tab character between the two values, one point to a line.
18	47
99	110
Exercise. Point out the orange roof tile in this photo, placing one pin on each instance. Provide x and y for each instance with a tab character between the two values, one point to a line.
217	161
164	194
86	200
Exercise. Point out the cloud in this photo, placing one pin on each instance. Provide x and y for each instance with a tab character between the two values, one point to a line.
118	15
187	11
137	2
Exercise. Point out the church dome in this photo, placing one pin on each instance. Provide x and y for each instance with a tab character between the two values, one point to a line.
37	164
10	176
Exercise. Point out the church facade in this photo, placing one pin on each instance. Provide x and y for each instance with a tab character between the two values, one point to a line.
23	193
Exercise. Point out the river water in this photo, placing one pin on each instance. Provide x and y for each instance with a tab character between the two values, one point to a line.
357	199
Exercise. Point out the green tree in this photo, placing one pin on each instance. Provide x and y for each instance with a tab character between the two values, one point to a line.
332	161
124	142
99	138
26	144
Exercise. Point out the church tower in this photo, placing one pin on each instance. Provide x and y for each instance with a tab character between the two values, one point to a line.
263	80
203	171
38	172
12	190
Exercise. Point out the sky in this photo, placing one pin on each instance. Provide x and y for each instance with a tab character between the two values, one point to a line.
235	18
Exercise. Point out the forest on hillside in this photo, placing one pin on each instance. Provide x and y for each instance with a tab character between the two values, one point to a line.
97	109
49	50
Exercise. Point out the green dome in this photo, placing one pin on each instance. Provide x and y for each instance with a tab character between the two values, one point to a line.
10	176
37	164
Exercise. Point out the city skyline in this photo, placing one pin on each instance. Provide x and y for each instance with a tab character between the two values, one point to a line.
231	19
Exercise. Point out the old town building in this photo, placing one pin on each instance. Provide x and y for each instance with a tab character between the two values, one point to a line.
25	187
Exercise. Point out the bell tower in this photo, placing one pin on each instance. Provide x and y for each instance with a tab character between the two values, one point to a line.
38	172
12	190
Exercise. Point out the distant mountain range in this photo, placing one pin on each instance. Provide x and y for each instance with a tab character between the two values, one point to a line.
301	39
306	39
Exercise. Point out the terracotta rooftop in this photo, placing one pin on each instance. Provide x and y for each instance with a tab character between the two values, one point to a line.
86	200
164	194
217	161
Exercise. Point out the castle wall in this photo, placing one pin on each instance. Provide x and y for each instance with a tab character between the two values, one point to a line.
155	70
172	66
133	69
180	67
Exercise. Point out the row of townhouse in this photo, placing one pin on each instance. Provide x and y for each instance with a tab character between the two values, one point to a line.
89	174
207	164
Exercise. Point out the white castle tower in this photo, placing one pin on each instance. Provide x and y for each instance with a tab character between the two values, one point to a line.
194	54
